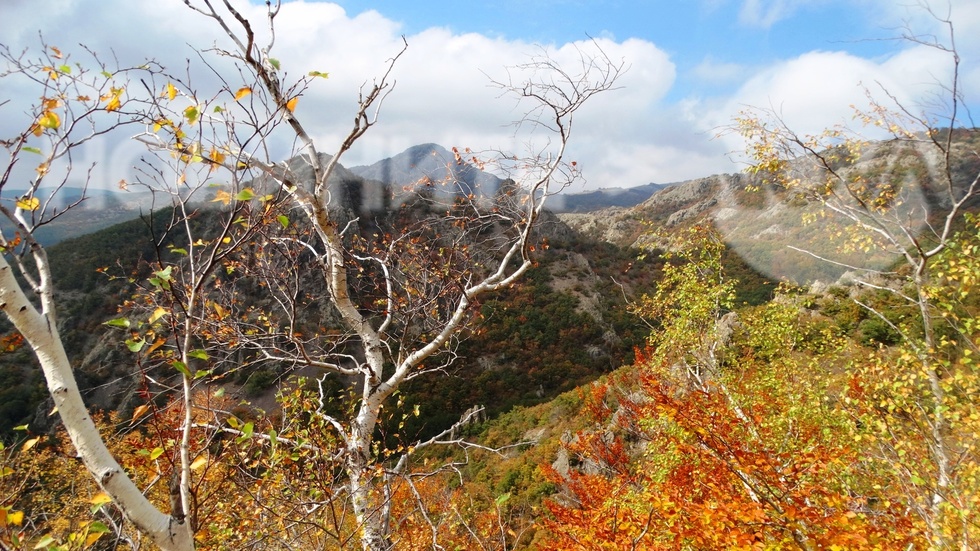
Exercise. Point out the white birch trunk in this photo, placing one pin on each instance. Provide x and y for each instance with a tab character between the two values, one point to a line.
40	330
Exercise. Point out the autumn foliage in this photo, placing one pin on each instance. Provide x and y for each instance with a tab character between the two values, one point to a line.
747	447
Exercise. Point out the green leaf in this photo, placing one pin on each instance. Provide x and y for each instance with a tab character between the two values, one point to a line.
218	109
220	392
178	250
157	452
247	430
65	69
200	374
233	422
30	149
45	541
274	62
501	499
20	427
191	114
199	354
179	366
283	220
320	74
245	195
97	527
135	346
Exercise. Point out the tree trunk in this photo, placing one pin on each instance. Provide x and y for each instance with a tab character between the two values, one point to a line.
40	330
365	496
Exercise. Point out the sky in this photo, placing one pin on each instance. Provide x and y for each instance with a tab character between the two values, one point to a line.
692	66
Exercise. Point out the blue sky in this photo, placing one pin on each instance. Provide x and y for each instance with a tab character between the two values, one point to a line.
694	64
690	31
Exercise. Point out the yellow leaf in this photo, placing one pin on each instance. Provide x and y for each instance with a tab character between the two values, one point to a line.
242	92
291	104
29	444
113	96
171	91
28	203
199	462
92	538
49	119
217	156
222	197
157	314
100	498
15	518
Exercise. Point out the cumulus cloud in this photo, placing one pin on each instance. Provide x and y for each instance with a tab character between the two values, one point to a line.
818	90
765	13
442	89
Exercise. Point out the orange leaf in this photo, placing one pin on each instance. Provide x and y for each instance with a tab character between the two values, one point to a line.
242	92
140	411
291	104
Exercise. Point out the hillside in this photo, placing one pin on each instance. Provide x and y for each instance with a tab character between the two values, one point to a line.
646	349
761	222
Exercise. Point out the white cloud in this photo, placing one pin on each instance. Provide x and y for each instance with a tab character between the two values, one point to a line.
442	91
766	13
631	136
816	90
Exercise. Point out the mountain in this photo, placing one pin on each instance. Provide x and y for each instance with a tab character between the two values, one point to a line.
774	230
590	201
430	165
360	190
434	165
91	210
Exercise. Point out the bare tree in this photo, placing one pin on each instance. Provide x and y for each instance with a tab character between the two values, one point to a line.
428	265
393	293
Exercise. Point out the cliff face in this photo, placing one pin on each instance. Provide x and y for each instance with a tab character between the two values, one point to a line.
779	232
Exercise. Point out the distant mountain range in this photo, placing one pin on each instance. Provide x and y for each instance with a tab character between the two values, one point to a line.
589	201
374	186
